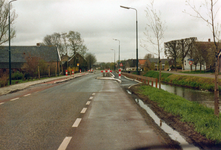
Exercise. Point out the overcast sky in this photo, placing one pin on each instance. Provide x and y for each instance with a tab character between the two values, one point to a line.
99	21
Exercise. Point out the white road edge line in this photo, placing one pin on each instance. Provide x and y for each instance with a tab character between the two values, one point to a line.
91	98
2	103
83	110
14	99
77	122
65	143
88	103
27	95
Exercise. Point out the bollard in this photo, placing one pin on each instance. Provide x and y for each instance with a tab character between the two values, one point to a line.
119	73
72	72
80	70
66	72
152	83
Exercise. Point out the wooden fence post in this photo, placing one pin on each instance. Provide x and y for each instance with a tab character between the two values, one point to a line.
38	73
156	82
49	71
152	83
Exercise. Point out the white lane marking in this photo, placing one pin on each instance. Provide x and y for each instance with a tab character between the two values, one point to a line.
93	94
14	99
83	110
91	98
88	103
77	122
2	103
65	143
27	95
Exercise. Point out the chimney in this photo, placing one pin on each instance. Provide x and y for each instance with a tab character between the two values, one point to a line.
208	40
38	44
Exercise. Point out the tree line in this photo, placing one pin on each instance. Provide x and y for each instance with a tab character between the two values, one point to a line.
199	52
70	44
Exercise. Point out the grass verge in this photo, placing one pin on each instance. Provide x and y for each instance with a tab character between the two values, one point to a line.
185	80
201	117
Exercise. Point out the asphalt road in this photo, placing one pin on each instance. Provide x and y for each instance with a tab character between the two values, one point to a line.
83	113
42	119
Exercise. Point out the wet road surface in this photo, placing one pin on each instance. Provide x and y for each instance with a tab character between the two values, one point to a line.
84	113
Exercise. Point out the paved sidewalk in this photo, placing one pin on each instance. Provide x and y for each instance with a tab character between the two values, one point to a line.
21	86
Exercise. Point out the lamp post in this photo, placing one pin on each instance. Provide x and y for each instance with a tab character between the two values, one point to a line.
119	52
114	58
136	35
9	42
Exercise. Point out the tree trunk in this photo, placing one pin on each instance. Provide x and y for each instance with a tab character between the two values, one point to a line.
160	74
216	90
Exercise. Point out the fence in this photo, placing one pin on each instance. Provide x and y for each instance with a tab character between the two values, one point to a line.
145	80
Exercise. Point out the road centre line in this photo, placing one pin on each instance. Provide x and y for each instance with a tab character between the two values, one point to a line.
14	99
27	95
65	143
88	103
91	98
77	122
83	110
2	103
93	94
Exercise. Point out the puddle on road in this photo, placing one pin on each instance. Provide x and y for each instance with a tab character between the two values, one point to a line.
166	128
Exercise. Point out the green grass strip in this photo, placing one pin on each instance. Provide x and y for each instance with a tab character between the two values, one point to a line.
185	80
202	117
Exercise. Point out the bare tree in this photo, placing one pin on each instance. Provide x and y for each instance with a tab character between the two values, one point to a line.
76	43
4	15
210	19
154	31
148	56
186	45
171	49
91	59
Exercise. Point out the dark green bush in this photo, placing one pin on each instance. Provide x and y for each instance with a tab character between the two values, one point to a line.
17	76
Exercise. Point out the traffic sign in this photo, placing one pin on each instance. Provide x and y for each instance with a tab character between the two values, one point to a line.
121	64
190	62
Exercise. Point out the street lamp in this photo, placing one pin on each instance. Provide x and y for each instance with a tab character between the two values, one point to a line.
136	35
9	41
114	58
119	52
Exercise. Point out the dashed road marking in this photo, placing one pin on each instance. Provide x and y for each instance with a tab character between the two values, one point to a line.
83	110
2	103
91	98
14	99
88	103
77	122
27	95
65	143
93	94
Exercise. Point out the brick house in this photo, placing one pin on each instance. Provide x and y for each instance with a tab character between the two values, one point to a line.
19	54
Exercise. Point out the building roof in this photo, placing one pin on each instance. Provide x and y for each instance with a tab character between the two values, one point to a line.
18	53
142	61
156	60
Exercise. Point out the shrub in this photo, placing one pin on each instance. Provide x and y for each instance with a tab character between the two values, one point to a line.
3	80
17	76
